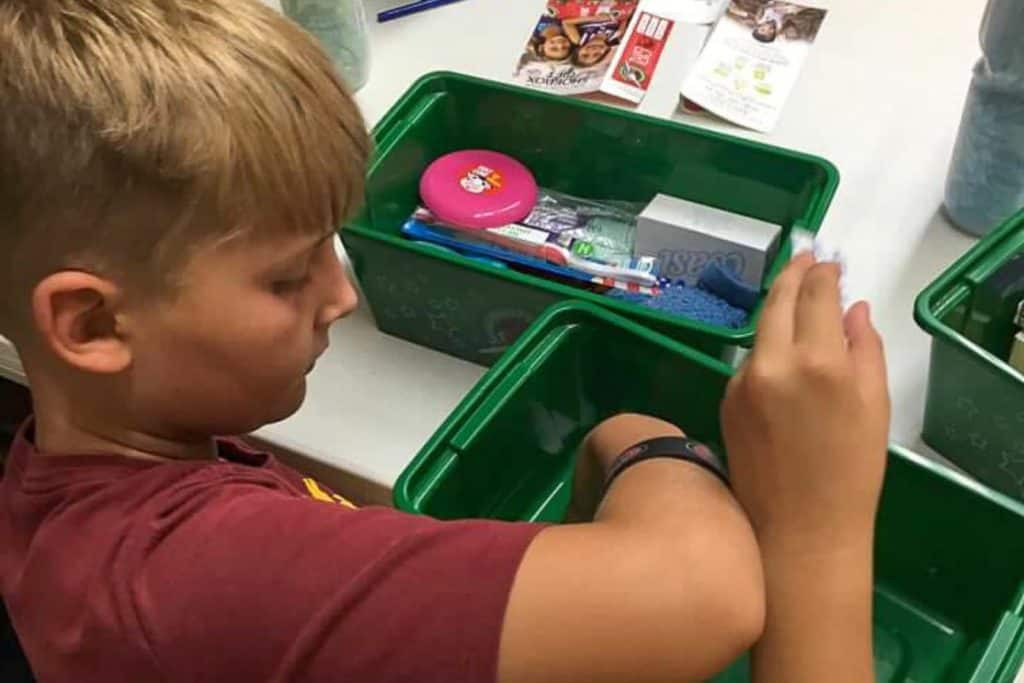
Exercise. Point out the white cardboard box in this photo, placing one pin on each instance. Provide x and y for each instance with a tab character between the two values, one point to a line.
685	237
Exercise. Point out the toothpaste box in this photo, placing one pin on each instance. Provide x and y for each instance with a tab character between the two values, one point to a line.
685	236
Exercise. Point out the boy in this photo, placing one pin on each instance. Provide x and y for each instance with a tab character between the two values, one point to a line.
172	174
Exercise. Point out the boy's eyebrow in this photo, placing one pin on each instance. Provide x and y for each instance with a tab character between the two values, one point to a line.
304	250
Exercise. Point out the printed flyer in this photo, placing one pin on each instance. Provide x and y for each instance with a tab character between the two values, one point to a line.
572	46
752	61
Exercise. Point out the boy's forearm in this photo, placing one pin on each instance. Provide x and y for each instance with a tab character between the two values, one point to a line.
819	611
647	494
656	494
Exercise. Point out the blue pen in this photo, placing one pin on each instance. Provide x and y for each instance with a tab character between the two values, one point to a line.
411	8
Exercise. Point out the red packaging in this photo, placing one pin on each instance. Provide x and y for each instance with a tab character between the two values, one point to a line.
638	57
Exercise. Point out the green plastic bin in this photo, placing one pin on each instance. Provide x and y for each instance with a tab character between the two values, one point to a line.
949	604
974	410
474	310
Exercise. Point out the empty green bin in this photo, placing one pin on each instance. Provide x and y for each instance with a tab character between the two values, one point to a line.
949	604
974	408
473	309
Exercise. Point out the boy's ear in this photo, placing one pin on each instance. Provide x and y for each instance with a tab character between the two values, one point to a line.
76	316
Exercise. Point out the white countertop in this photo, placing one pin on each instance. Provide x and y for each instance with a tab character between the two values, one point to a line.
880	97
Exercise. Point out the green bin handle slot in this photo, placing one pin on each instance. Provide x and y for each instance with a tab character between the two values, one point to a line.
505	391
425	476
390	132
995	257
478	422
1002	658
951	299
387	136
426	482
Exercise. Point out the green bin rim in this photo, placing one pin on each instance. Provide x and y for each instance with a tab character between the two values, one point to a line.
1003	242
739	337
1003	655
551	319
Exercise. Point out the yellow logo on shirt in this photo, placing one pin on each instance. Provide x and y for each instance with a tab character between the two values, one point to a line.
316	492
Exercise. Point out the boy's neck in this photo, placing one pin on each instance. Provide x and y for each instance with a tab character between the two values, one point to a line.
59	436
61	430
68	420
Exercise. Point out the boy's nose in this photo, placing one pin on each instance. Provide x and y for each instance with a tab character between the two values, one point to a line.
341	296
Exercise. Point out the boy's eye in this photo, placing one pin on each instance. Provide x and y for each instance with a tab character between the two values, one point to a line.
289	285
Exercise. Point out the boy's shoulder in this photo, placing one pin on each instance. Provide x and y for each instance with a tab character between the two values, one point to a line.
176	570
238	470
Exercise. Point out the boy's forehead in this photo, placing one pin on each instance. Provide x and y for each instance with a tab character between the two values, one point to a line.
280	245
251	253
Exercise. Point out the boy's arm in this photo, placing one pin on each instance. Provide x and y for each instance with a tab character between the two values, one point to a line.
806	424
664	585
819	617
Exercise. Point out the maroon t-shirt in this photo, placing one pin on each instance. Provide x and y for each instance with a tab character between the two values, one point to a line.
119	569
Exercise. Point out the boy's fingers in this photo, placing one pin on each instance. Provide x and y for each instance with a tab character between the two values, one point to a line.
775	329
866	348
819	312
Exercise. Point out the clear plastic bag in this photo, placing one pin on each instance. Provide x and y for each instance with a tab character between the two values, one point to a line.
604	232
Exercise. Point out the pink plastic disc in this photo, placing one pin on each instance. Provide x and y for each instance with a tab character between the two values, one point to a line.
478	189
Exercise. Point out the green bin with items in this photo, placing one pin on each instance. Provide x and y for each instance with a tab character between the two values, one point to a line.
949	604
473	309
974	409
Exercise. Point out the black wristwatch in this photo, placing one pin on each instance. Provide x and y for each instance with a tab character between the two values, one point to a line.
674	447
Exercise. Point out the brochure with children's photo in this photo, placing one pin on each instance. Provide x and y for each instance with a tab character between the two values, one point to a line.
572	45
752	61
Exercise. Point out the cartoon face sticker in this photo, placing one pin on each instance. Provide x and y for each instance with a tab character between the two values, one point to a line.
475	184
481	180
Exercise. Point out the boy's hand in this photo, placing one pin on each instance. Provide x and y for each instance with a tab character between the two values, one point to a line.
806	418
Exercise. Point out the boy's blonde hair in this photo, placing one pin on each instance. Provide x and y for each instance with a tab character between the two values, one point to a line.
133	132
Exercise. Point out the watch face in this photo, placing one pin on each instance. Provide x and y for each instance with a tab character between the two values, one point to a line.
634	451
703	451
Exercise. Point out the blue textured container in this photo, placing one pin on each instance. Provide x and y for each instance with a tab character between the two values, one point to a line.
986	179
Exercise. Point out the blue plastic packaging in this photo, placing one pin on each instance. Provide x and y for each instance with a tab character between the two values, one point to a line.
728	286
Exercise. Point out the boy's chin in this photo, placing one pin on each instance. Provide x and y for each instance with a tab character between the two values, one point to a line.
279	405
290	402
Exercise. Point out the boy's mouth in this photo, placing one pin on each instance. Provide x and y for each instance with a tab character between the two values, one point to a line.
312	364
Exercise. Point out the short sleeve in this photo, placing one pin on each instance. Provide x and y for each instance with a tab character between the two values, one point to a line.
249	584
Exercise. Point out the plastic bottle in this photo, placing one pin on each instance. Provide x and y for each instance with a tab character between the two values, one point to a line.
341	27
986	179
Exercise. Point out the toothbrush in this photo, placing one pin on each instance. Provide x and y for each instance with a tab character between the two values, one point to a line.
601	269
560	256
